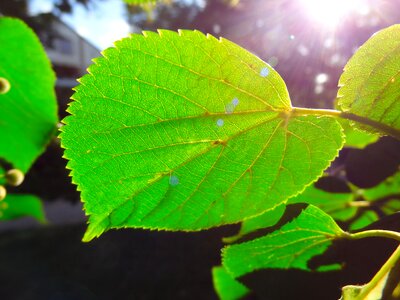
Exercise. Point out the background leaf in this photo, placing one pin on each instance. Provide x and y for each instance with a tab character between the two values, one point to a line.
29	109
370	83
226	287
18	206
186	140
292	246
265	220
337	205
391	186
356	138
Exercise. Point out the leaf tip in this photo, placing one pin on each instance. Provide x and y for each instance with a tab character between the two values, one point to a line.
91	233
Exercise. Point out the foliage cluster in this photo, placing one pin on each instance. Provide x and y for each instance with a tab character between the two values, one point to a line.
183	131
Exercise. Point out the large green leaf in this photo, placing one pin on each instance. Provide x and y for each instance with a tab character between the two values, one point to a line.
370	84
18	206
29	109
292	246
226	287
182	131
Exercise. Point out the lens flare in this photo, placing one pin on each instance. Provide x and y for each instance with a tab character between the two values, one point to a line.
331	12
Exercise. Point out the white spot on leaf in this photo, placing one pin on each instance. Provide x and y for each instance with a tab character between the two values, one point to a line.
174	180
264	72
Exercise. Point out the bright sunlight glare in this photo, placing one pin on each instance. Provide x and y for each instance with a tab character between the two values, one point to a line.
331	12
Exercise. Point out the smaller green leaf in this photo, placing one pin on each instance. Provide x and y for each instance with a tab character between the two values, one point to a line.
292	246
337	205
364	220
265	220
18	206
356	138
391	207
391	186
226	286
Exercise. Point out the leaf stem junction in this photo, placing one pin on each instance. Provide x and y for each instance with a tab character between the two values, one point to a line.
383	128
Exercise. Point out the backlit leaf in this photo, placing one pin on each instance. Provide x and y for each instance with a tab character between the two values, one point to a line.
356	138
370	83
364	220
18	206
292	246
226	287
337	205
265	220
29	109
391	186
182	131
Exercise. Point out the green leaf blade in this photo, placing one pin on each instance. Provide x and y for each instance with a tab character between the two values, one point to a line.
31	98
337	205
390	186
226	287
16	206
188	140
356	138
371	80
292	246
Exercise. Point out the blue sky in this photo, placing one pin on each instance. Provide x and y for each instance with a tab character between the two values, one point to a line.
101	25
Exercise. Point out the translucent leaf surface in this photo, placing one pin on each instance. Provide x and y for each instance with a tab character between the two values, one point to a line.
366	218
28	110
337	205
356	138
385	196
226	287
265	220
292	246
186	132
18	206
370	83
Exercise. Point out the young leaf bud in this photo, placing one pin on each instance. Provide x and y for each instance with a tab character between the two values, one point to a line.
4	85
3	192
14	177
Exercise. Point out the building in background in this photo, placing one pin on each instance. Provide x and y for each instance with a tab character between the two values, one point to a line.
70	55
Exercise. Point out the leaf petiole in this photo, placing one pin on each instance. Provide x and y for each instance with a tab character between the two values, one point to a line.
382	128
367	290
374	233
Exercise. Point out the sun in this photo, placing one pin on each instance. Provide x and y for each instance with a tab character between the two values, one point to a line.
331	13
